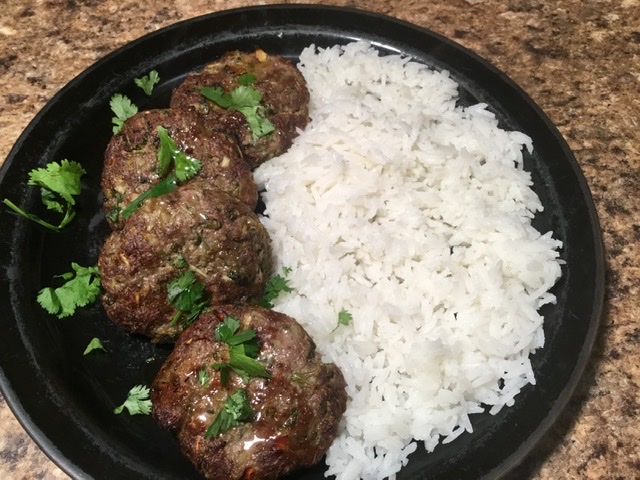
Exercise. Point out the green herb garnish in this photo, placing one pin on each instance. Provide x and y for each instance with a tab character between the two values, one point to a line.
123	109
203	377
167	185
169	155
246	100
137	402
344	317
247	79
81	287
187	295
147	82
59	185
186	167
275	285
94	345
236	409
243	349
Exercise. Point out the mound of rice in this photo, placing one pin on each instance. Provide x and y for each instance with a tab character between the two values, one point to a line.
414	215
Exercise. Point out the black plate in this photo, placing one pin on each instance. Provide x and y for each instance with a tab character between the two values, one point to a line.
65	400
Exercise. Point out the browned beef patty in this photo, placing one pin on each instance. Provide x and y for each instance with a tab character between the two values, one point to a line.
296	412
131	164
195	227
284	96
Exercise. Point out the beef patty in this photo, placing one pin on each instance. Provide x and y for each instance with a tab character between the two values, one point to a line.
293	416
285	99
131	164
196	228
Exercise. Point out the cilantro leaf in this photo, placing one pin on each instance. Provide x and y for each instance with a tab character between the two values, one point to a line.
169	184
246	100
186	167
236	409
344	317
243	349
147	82
187	295
81	287
244	365
217	95
62	179
123	109
203	377
247	79
245	96
165	151
225	332
94	345
259	125
59	184
137	402
276	284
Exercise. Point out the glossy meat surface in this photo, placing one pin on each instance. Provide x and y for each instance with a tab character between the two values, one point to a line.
131	164
296	413
195	227
285	99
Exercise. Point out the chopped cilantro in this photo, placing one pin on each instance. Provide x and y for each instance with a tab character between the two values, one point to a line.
243	349
187	295
246	100
137	402
94	345
123	109
344	317
203	377
147	82
59	185
236	409
275	285
81	287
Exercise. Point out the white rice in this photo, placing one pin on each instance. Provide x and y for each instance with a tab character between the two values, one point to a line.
414	215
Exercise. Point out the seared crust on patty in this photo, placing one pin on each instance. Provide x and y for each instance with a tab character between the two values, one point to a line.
296	412
131	164
285	99
197	227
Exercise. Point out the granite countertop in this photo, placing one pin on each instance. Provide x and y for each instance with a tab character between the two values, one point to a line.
579	60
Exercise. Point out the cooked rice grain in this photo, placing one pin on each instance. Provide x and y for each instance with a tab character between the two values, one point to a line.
414	214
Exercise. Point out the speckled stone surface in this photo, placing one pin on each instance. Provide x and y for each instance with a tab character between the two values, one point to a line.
579	60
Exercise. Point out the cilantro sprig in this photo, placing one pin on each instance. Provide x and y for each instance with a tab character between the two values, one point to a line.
172	162
59	184
188	296
185	166
344	318
137	402
148	82
243	350
123	109
169	184
82	286
236	409
276	284
122	106
246	100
